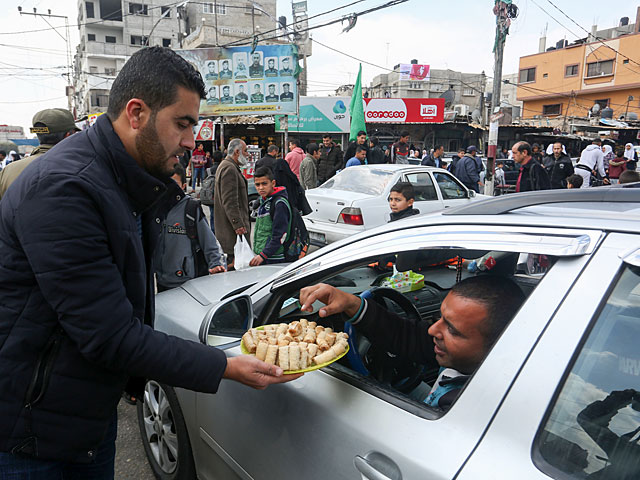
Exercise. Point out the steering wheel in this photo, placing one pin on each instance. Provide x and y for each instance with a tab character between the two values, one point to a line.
389	369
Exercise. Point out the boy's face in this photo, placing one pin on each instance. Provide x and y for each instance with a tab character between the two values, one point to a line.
178	180
264	186
398	203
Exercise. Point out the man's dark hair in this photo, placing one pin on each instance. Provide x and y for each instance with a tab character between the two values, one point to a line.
273	149
575	180
295	141
523	147
501	297
153	75
179	170
404	134
360	133
51	138
217	156
405	189
375	141
597	141
438	147
462	150
264	172
629	176
312	148
3	153
360	148
326	135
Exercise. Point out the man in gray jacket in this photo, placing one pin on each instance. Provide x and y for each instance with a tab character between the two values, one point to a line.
178	257
308	167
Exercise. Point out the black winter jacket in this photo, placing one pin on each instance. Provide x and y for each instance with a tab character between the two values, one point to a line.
533	176
284	177
558	170
77	232
329	162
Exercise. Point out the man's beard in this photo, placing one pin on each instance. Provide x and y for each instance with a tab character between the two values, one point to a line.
152	155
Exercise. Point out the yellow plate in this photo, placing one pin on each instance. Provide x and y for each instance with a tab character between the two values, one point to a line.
308	369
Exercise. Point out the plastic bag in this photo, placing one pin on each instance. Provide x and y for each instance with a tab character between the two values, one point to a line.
242	253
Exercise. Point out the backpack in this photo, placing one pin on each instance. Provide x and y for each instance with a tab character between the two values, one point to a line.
297	242
191	210
206	192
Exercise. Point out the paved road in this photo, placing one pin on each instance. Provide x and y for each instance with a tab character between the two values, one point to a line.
131	461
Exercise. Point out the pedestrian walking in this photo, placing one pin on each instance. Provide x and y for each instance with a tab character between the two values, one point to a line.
591	164
51	126
376	155
308	168
631	155
360	158
330	159
617	165
533	175
295	156
361	141
609	155
78	234
434	159
400	149
559	166
467	170
231	199
198	161
456	159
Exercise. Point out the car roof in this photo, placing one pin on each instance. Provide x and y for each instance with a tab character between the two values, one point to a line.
395	167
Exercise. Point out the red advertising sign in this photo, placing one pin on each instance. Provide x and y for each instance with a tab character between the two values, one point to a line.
404	110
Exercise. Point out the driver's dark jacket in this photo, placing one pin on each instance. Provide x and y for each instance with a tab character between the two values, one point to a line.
77	232
404	337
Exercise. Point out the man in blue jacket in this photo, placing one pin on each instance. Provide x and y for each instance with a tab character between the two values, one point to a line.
77	233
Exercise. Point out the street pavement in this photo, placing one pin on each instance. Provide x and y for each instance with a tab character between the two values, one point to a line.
131	461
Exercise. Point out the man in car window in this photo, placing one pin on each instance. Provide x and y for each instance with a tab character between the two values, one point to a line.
473	315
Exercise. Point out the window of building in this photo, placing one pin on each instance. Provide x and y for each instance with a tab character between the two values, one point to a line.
415	85
571	70
91	37
625	61
111	71
166	42
165	12
555	109
437	87
138	40
109	39
527	75
219	9
93	69
99	100
138	9
468	92
592	429
545	75
597	69
89	9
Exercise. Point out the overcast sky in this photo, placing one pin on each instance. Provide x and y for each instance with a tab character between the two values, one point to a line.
456	35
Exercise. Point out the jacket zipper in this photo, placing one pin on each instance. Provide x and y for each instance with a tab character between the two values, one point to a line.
44	367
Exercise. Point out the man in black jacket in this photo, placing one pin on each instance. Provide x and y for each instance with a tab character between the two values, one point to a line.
330	159
532	176
559	166
474	313
361	141
78	230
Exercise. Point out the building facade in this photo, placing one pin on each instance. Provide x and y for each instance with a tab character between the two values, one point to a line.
508	96
568	80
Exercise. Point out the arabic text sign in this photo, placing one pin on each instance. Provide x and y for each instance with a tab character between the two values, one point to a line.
319	115
404	110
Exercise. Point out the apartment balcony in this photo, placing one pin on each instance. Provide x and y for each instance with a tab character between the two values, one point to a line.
110	49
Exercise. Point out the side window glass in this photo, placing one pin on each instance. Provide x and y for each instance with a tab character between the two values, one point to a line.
449	186
423	186
231	319
593	430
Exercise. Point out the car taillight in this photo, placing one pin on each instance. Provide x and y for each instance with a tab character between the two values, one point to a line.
351	216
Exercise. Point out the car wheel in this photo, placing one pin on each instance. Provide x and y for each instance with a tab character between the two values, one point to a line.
252	212
164	433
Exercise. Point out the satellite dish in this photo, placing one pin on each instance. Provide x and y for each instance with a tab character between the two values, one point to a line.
476	116
632	116
449	97
595	110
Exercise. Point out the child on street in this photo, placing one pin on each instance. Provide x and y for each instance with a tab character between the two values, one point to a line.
401	200
273	220
187	247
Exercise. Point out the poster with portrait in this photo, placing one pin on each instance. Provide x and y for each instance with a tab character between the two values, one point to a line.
259	82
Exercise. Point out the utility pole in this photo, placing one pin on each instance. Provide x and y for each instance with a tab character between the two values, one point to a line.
44	16
504	12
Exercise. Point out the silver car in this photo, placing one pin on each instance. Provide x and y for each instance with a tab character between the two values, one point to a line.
556	397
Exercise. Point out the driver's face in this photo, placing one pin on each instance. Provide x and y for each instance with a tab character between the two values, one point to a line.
459	334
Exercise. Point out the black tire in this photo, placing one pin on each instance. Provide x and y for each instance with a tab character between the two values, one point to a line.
164	433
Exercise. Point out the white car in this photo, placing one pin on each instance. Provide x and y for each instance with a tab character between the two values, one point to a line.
355	199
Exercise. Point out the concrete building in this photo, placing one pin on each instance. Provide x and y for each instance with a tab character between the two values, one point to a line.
222	22
566	80
508	95
110	32
464	92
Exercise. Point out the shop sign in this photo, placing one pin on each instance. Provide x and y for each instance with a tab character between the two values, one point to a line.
404	110
318	115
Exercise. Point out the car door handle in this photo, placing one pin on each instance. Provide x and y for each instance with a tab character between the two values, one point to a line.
375	466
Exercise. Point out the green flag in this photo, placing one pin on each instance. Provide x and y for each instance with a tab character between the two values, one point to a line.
356	109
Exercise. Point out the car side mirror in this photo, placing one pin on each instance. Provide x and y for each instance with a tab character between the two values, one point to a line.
471	193
227	321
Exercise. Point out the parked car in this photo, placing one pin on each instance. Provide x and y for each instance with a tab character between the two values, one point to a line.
556	397
355	199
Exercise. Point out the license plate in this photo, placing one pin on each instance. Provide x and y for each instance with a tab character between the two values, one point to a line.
317	237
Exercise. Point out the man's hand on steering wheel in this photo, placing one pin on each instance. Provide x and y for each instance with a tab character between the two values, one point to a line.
335	300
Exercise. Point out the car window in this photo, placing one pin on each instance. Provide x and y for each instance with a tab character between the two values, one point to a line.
361	180
449	186
422	186
593	429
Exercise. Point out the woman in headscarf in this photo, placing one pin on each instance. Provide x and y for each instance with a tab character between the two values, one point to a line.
631	156
608	156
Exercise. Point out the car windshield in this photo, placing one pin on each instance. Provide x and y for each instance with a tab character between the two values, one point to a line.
361	180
